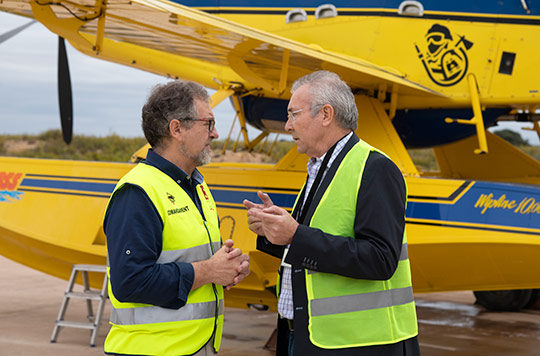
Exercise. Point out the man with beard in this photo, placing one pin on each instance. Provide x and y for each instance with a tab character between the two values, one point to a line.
167	264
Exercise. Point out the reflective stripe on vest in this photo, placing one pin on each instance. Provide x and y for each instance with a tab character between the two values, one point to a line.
192	254
348	312
152	314
187	237
364	301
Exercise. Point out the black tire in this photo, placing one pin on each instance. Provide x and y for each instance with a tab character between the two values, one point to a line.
504	300
535	295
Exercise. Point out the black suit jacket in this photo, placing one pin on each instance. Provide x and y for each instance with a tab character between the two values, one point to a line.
373	254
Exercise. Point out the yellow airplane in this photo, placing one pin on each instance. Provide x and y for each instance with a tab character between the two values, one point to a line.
425	74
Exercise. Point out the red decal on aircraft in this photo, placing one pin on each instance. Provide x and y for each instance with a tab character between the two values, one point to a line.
9	180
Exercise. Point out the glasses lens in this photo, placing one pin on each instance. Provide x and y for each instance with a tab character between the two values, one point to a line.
290	114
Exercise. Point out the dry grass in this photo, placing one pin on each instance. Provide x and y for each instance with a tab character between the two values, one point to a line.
118	149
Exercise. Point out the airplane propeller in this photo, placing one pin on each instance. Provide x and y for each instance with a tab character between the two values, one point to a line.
65	99
6	36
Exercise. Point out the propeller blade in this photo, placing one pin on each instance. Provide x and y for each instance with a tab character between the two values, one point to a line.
6	36
64	92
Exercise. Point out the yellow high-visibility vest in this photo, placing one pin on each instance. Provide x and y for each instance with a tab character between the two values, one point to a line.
151	330
348	312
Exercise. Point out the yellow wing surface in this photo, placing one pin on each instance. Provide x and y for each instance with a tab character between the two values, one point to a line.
181	42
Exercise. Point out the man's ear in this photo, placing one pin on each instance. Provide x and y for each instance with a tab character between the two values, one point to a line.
175	128
327	112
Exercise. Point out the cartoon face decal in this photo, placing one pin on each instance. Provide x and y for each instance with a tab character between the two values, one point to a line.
445	56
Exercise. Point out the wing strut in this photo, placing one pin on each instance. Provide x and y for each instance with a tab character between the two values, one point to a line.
228	91
242	119
100	8
284	71
477	119
535	127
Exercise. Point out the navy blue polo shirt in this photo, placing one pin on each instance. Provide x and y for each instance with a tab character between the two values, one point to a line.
134	229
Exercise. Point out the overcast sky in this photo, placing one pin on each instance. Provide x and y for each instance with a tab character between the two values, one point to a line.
107	97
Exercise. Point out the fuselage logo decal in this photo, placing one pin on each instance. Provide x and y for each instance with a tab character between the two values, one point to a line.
527	205
9	181
445	55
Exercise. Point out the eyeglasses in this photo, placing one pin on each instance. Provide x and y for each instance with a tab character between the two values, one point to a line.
211	122
290	114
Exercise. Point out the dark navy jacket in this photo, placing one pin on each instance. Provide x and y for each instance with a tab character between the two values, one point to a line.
134	228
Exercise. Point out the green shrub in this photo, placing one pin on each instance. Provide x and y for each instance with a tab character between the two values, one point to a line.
50	144
424	159
114	148
512	137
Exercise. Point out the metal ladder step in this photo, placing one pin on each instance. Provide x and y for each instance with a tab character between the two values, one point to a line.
92	295
89	295
75	324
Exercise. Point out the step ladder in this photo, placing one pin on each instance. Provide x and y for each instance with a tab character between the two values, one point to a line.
88	294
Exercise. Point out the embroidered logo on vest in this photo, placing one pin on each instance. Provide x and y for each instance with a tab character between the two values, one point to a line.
178	210
170	197
204	192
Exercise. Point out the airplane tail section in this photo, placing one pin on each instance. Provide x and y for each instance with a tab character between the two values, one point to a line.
375	127
503	162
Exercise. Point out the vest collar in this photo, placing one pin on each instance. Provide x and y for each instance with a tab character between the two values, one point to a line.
353	140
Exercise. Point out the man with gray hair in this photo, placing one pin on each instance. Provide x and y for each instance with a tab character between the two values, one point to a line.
345	281
167	263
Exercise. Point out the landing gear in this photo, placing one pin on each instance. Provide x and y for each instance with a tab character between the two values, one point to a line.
507	300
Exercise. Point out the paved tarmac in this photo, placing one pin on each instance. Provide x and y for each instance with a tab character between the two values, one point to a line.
449	323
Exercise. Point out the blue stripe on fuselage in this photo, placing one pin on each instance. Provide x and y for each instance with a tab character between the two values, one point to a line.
284	200
68	185
485	203
473	7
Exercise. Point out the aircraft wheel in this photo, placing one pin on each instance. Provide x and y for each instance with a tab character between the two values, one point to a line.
535	295
505	300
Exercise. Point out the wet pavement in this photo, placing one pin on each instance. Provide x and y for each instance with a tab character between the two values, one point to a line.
449	323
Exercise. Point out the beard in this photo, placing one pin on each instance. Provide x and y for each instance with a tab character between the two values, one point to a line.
204	157
201	159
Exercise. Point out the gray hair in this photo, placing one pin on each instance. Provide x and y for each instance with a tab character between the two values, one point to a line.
173	100
328	88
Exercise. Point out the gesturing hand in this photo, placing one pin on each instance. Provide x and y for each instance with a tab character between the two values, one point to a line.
275	223
267	202
254	223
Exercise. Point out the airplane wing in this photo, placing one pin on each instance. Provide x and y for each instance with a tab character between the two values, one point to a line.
173	40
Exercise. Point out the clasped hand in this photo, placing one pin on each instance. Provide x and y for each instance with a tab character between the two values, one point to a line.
271	221
236	265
